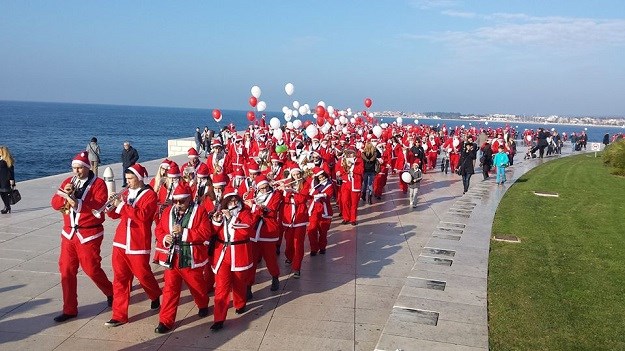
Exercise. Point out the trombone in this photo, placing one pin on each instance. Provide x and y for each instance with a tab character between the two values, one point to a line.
109	204
65	209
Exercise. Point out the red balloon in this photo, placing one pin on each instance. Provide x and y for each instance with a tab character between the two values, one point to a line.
368	102
320	120
326	115
251	116
330	120
306	123
217	115
253	101
321	111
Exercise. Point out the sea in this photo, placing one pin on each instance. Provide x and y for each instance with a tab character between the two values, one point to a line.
44	137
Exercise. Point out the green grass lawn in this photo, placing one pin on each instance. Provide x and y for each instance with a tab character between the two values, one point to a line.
563	286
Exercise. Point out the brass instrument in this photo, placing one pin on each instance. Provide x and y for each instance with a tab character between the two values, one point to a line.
109	204
188	175
65	209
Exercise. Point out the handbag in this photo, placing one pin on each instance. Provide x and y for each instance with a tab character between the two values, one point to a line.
15	196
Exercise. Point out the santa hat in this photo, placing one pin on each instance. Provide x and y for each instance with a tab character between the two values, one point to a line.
182	191
239	172
229	191
238	137
260	181
275	157
174	170
295	169
165	163
216	142
81	160
138	170
202	171
219	179
192	153
253	167
317	171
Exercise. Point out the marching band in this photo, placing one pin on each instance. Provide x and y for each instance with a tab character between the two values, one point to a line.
215	221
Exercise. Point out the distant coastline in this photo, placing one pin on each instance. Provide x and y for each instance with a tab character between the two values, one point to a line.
510	118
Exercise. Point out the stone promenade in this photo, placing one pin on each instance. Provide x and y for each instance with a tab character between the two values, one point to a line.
403	278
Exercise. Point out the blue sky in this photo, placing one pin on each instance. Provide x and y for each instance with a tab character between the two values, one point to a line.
523	57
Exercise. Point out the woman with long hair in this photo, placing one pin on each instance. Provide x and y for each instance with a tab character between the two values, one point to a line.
7	177
370	156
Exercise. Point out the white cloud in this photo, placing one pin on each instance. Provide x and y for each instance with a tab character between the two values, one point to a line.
509	29
433	4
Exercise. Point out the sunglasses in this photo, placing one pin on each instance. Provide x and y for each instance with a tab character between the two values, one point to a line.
178	201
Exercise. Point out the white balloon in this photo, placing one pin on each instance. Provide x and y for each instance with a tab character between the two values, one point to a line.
330	109
289	125
295	113
416	121
277	133
297	123
352	120
349	111
284	109
302	110
274	122
288	116
406	177
256	91
325	129
343	120
399	120
342	113
321	103
359	131
261	106
289	89
486	123
384	125
345	130
311	131
462	126
377	131
296	104
337	122
370	114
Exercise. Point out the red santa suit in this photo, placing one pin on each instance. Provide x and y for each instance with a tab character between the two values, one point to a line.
351	188
132	245
232	257
215	161
319	212
236	158
267	232
189	256
379	181
81	236
432	151
294	220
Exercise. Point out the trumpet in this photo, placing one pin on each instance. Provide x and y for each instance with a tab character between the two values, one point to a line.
65	209
175	243
109	204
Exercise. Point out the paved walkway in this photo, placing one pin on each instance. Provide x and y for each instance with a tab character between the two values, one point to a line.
402	279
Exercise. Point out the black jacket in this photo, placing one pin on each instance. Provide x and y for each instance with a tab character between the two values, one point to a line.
129	157
466	161
6	175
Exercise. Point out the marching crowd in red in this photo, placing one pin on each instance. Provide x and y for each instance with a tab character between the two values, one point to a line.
217	220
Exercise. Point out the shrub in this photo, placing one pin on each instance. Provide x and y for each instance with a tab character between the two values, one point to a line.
614	156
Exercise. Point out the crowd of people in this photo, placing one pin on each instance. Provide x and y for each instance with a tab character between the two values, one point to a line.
258	192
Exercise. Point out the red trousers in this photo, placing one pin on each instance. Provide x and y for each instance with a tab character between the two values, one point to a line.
225	282
379	181
267	251
454	159
194	279
349	206
125	268
294	252
318	233
209	277
432	160
87	255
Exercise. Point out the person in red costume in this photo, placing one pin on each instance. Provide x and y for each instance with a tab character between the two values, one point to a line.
432	151
233	226
265	206
82	234
215	161
319	211
294	218
132	244
184	232
350	171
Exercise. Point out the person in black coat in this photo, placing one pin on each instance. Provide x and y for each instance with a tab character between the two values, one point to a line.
467	156
486	160
7	178
419	153
130	156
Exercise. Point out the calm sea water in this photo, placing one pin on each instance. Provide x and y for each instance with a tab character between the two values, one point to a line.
44	137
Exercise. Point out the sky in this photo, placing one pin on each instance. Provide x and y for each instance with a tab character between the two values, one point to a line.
557	57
